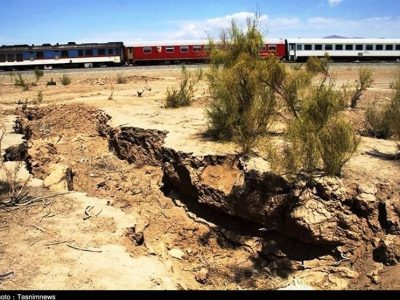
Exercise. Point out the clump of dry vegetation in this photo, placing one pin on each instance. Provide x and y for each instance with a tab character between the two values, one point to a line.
65	80
20	81
184	94
38	74
364	82
249	92
121	79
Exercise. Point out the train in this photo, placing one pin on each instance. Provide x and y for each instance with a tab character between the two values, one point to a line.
47	56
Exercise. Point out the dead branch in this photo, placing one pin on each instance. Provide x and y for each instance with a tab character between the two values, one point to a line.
83	249
38	228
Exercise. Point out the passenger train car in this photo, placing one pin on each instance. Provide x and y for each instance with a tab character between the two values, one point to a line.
115	53
71	54
343	49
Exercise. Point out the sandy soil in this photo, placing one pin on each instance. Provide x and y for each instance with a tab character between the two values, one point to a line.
35	241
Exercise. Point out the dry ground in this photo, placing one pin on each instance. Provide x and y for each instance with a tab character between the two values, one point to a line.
34	240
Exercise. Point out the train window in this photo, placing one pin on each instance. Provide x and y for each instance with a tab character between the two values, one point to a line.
328	47
19	57
359	47
272	48
318	47
307	47
389	47
2	57
64	54
39	54
169	49
89	52
397	47
262	48
117	51
184	49
80	52
101	52
338	47
111	51
299	47
10	57
369	47
197	48
379	47
146	50
349	47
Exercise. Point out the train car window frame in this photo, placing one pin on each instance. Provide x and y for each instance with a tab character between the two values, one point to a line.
307	47
379	47
389	48
110	51
349	47
101	52
39	54
19	57
318	47
328	47
2	57
197	48
64	54
338	47
170	49
398	47
146	50
369	47
299	47
88	52
272	48
184	49
359	47
80	53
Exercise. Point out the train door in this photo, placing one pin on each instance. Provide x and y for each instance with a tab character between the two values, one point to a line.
292	52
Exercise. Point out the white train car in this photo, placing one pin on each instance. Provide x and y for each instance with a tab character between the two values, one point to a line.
299	49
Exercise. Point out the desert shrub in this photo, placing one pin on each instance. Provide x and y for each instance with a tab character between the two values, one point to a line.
51	82
38	74
242	105
337	144
364	81
39	98
318	138
121	79
20	81
184	94
65	80
378	122
317	65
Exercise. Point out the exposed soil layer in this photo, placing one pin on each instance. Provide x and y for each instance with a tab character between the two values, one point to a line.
247	228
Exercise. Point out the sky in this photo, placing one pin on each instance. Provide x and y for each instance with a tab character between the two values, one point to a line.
133	21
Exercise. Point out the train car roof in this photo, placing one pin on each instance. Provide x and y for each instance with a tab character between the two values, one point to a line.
344	40
59	46
187	43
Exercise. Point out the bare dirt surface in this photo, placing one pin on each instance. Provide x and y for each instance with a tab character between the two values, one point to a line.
122	229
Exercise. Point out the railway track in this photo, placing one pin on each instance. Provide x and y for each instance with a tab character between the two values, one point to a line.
391	64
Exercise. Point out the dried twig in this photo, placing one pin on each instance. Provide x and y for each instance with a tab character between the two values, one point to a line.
56	243
38	228
6	276
87	212
83	249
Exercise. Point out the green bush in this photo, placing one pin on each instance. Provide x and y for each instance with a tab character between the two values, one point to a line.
364	81
337	144
378	122
38	73
65	80
19	81
184	94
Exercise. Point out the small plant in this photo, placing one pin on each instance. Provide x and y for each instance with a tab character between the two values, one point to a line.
51	82
184	95
39	97
112	93
364	82
121	79
65	80
378	122
12	77
38	74
20	81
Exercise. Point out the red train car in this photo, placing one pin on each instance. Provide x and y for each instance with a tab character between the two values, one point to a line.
193	51
164	52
